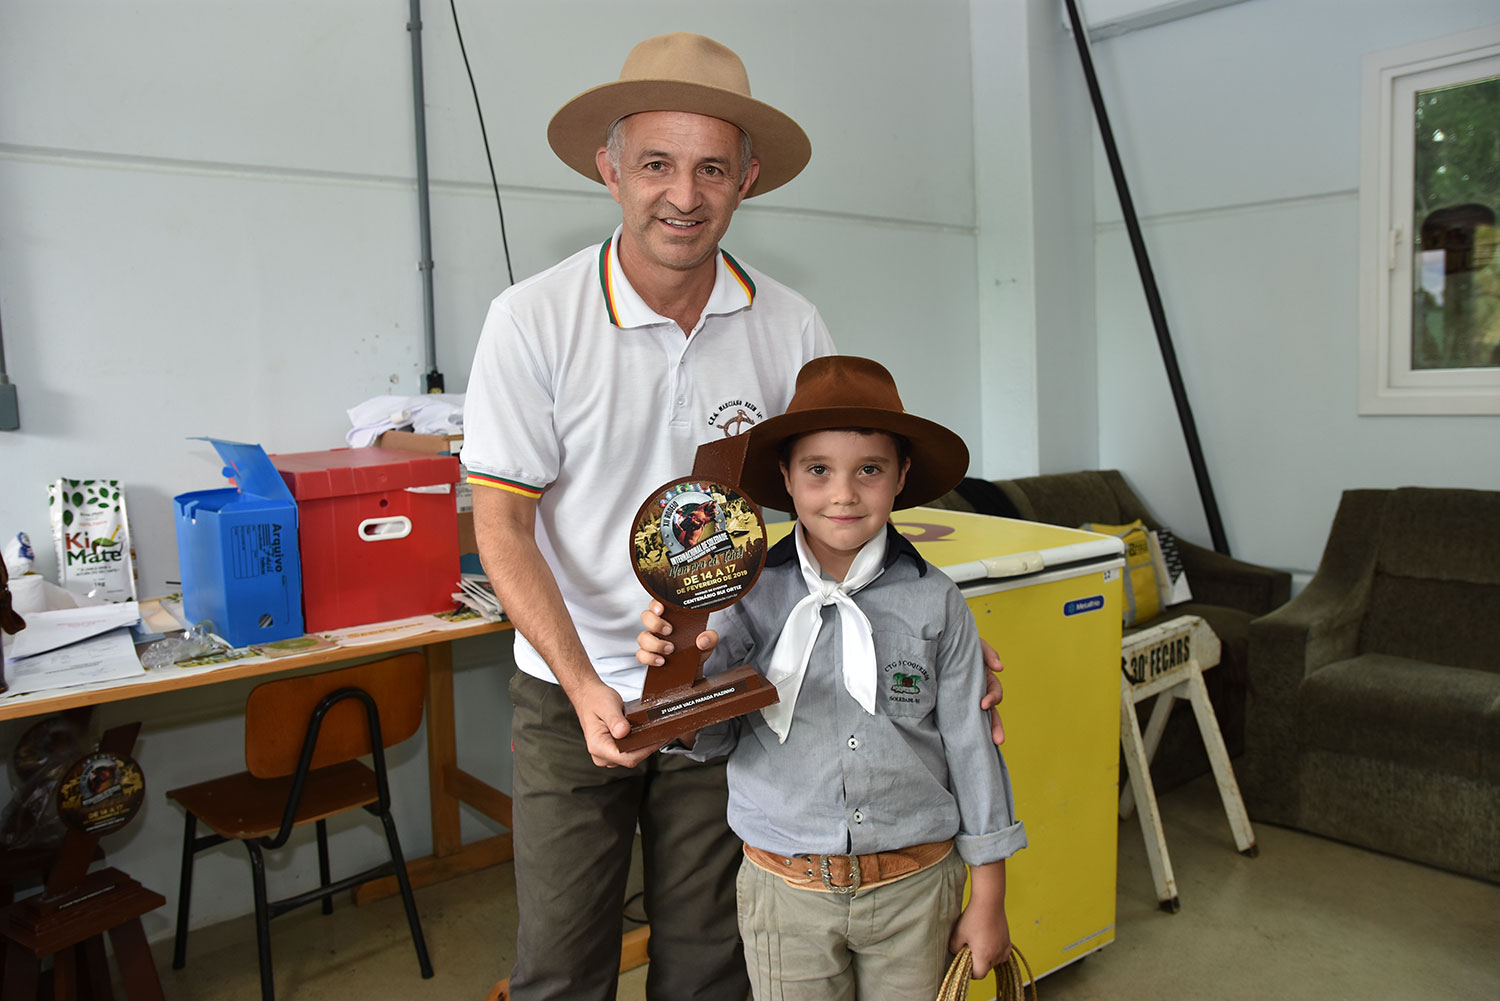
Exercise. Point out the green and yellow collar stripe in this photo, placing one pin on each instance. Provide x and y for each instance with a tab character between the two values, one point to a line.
499	482
607	281
740	275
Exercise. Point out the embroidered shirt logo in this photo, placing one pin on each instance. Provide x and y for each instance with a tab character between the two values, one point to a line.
734	417
906	681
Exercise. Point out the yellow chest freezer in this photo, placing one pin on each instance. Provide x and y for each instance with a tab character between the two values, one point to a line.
1048	600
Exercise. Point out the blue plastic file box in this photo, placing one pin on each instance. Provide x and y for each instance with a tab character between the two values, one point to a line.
237	551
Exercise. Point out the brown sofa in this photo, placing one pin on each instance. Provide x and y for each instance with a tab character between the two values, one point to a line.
1375	717
1227	594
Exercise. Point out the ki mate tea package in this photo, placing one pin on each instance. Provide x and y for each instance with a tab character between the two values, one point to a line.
94	553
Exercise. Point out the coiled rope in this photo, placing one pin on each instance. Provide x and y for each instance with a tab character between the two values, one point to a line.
1010	985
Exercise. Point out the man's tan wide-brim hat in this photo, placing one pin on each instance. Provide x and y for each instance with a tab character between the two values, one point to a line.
842	391
681	72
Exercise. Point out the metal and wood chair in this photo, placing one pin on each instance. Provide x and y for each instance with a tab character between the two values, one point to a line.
303	738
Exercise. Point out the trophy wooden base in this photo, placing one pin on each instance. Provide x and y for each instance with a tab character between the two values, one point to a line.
663	716
70	927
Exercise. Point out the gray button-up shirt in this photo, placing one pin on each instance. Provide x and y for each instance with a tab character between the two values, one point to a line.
922	768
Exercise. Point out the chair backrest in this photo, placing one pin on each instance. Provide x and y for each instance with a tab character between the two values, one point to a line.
1072	499
277	714
1435	591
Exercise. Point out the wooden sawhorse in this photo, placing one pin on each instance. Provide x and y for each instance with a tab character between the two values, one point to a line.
1169	660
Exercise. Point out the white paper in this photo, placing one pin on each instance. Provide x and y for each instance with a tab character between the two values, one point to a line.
109	657
53	630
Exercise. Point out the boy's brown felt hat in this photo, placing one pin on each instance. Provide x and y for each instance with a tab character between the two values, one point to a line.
681	72
842	391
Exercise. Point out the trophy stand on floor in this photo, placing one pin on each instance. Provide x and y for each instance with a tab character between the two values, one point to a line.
69	918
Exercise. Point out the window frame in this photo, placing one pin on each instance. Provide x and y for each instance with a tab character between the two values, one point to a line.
1387	382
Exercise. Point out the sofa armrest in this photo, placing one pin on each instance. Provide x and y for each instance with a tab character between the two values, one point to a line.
1322	624
1217	579
1317	627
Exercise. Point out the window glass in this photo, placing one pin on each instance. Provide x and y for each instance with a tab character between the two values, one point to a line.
1455	202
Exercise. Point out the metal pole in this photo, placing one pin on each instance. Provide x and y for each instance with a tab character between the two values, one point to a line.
1153	297
434	379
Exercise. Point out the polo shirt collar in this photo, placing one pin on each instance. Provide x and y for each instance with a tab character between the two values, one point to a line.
896	546
733	289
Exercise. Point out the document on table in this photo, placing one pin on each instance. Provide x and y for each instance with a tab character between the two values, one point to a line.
107	657
52	630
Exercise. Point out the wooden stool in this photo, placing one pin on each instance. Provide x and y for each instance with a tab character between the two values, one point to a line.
1169	660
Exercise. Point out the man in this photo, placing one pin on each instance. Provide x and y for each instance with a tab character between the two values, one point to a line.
593	383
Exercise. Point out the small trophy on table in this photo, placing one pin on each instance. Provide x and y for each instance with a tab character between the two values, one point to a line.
697	544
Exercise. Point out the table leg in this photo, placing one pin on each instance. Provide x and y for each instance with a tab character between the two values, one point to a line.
442	749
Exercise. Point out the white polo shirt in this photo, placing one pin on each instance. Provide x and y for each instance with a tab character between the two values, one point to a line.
585	398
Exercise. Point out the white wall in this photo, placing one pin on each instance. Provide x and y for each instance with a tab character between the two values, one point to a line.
1035	215
208	225
1239	131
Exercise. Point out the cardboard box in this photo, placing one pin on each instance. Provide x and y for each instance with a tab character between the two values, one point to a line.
442	444
378	532
237	551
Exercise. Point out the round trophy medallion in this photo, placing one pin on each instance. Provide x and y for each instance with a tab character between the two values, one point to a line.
100	793
698	544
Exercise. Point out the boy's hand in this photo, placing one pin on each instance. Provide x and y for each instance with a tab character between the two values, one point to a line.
994	692
983	926
652	644
988	941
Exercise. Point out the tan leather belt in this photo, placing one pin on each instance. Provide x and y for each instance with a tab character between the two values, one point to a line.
848	873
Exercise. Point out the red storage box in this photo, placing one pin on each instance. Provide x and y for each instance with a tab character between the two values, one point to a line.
379	533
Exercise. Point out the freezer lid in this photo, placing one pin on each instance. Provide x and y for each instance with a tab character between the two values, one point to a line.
1075	556
970	547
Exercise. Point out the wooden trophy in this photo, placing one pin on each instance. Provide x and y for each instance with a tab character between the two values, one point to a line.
697	545
68	920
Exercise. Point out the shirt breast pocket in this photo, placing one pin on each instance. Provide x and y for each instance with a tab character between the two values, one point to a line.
906	683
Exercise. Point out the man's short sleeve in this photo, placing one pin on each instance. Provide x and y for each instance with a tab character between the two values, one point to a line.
510	440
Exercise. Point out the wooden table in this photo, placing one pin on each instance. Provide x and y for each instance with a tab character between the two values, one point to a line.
448	785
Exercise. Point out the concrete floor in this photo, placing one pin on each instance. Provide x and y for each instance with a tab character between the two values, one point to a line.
1306	919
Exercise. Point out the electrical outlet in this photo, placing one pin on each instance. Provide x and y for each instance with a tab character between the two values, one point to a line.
10	408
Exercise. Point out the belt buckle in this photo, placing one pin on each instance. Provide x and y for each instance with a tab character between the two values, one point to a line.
826	872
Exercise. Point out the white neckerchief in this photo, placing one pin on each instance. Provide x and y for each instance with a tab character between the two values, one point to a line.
789	662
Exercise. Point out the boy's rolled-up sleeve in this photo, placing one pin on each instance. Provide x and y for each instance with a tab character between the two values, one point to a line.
988	829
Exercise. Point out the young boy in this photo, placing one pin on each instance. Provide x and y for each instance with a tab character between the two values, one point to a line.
861	795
